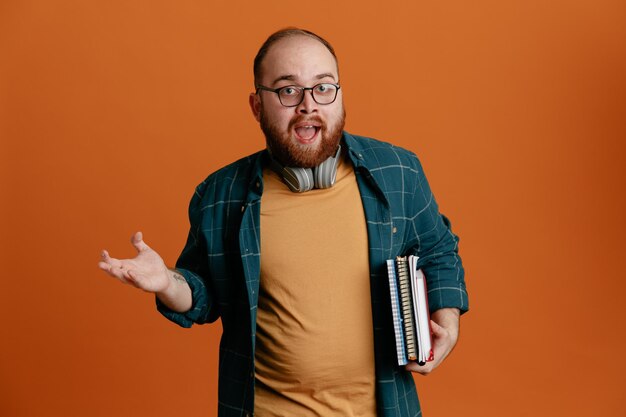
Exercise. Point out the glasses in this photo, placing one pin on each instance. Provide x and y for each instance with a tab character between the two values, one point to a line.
292	95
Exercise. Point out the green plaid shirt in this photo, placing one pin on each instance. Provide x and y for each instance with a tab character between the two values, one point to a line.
221	263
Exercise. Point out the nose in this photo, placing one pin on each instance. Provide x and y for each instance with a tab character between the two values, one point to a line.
307	105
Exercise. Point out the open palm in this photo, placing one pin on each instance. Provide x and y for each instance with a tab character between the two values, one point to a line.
146	271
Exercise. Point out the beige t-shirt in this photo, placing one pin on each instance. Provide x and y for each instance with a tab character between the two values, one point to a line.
314	342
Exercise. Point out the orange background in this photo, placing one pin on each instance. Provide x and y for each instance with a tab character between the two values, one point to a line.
112	111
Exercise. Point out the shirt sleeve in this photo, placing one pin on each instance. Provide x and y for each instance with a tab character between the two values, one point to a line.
437	248
193	266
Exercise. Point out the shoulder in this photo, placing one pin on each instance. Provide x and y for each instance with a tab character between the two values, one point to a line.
234	176
377	154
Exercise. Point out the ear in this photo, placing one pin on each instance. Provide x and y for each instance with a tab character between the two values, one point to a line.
255	106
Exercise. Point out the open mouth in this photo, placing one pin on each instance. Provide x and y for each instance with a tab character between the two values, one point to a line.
306	133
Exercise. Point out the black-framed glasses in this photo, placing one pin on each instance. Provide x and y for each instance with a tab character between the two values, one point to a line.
292	95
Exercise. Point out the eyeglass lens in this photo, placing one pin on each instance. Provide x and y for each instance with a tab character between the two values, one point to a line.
293	95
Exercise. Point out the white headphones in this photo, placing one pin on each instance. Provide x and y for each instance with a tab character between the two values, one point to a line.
300	180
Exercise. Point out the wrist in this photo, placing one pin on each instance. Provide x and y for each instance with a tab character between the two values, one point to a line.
177	294
170	283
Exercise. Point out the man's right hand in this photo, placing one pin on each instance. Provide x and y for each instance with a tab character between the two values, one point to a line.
148	272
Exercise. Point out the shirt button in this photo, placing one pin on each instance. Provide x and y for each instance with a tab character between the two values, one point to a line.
394	230
258	184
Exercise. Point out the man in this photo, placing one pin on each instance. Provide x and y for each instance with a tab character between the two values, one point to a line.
288	247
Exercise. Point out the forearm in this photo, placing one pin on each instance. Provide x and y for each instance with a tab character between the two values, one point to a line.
177	295
442	265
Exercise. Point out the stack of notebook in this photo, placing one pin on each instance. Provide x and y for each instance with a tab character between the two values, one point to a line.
409	303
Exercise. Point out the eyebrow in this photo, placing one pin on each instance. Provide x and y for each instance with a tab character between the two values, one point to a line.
290	77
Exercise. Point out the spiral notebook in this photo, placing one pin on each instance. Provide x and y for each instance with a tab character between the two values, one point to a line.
409	304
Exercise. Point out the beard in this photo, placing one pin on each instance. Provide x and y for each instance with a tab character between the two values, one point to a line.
290	153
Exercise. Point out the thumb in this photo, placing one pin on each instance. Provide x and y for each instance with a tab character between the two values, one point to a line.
437	329
138	243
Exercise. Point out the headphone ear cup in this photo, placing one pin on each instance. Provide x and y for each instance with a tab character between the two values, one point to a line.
325	173
298	180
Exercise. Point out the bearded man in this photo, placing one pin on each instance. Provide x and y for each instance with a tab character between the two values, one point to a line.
288	247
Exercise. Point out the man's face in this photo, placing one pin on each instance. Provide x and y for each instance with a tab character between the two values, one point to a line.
307	134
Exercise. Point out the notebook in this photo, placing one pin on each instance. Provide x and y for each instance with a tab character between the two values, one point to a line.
409	304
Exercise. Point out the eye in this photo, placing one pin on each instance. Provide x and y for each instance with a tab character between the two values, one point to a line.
288	91
324	88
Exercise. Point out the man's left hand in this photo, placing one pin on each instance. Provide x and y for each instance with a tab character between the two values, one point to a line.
445	326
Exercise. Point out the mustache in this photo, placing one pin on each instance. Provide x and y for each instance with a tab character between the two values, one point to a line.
306	119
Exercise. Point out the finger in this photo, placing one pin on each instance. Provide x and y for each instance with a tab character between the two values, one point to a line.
438	331
130	278
133	278
105	267
115	272
120	273
138	243
126	274
138	280
110	269
112	262
129	275
420	369
111	265
123	280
